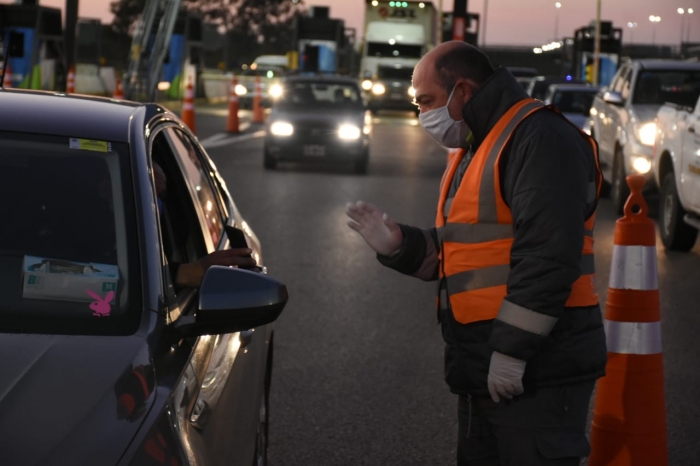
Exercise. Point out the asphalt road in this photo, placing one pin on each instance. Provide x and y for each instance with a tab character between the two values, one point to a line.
358	357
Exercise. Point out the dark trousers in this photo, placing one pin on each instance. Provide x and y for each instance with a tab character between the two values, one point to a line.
545	426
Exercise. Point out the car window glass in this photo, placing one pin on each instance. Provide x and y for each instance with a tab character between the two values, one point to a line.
196	172
573	101
309	93
68	250
621	80
654	87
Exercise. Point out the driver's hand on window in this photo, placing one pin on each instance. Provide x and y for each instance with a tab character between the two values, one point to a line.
191	275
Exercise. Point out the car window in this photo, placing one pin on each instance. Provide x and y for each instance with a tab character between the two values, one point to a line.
681	87
310	93
68	246
196	172
263	72
401	74
573	101
622	80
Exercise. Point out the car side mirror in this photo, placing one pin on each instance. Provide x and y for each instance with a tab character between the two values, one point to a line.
232	300
614	98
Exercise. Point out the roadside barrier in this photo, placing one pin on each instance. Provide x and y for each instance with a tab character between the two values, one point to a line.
7	82
70	84
118	91
258	116
187	115
233	122
629	419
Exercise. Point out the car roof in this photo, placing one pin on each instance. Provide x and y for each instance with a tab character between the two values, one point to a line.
321	79
659	64
71	115
574	87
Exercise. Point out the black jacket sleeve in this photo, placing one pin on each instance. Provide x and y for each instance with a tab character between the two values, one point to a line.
418	255
546	184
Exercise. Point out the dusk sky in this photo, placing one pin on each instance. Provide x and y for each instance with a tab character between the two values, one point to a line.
529	22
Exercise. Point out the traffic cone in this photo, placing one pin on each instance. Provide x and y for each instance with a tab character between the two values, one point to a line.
118	91
258	116
232	124
187	116
7	82
629	419
70	85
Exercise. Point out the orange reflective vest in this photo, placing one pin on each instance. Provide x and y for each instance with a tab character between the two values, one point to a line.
475	229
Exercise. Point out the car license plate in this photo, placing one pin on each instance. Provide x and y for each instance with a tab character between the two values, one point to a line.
314	151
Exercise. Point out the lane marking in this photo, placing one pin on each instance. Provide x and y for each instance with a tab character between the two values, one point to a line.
207	142
233	139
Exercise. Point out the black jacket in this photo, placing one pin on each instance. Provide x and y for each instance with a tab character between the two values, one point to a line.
546	171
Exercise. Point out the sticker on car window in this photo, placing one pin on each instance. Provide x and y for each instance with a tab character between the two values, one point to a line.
66	280
100	306
90	144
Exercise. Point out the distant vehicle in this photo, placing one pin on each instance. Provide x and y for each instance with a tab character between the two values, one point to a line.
677	168
319	119
573	101
523	75
538	86
623	118
105	359
270	77
396	36
391	89
279	61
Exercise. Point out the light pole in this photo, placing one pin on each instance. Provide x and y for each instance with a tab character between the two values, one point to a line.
632	25
483	25
681	12
654	20
689	22
556	21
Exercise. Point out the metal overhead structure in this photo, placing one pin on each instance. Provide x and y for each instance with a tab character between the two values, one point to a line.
149	48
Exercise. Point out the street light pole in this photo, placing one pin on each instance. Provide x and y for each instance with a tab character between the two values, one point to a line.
556	21
681	12
596	50
654	20
690	11
440	22
483	24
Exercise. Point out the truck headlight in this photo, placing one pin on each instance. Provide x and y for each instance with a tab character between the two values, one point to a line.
378	89
275	91
641	165
647	133
240	89
367	85
349	132
281	128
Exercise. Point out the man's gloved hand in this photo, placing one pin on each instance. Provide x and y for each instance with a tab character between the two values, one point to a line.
505	376
381	233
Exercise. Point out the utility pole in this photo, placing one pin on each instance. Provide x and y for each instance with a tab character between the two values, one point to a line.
483	25
440	21
596	50
69	31
459	20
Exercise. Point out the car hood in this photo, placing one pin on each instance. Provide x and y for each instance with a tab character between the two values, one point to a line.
320	114
645	113
71	399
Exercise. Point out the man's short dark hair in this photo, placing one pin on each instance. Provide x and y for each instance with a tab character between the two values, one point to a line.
462	62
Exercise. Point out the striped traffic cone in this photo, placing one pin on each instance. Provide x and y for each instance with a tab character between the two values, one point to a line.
629	420
7	81
70	85
233	122
118	91
258	116
188	107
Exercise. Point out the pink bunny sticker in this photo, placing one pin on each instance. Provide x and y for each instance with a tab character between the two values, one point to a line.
101	307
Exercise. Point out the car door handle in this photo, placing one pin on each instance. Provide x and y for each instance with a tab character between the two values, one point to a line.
245	337
691	129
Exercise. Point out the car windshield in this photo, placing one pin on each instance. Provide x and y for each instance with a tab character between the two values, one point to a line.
65	247
311	94
402	74
376	49
574	101
263	72
681	87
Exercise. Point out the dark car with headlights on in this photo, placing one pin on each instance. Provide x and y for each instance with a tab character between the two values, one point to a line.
318	119
391	89
107	358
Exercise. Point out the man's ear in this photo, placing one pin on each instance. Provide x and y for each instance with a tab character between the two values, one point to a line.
465	89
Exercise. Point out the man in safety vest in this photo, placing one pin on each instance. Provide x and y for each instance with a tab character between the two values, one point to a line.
512	251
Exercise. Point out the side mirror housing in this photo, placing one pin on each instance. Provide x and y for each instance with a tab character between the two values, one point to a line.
614	98
232	300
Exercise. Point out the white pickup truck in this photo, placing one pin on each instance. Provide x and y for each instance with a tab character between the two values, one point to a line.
677	171
622	118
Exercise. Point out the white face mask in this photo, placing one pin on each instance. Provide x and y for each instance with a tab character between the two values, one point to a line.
440	126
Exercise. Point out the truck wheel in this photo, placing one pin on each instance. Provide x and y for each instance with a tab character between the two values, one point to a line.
619	189
675	233
269	161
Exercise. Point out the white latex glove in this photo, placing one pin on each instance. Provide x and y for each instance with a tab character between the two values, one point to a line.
505	376
378	230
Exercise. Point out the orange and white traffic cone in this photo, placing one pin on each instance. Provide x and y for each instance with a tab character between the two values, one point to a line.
233	122
187	115
258	116
70	85
118	91
629	420
7	82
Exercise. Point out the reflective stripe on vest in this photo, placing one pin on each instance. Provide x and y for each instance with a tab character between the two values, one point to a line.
475	231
